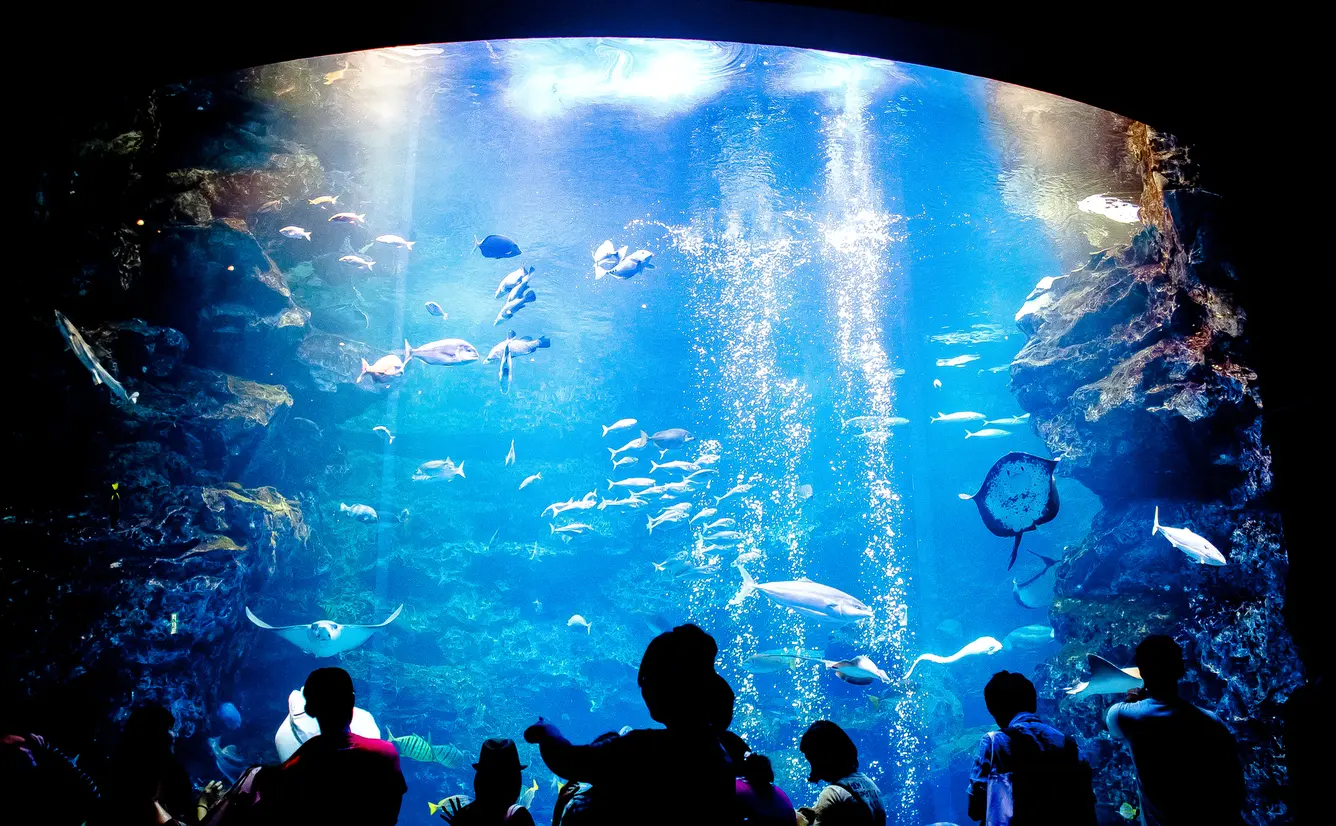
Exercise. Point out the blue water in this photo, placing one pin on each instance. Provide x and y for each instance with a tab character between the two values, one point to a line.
815	221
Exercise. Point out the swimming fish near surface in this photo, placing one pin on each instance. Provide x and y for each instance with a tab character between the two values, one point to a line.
958	361
514	305
497	246
1198	548
384	433
605	258
513	280
1106	678
983	645
1028	638
704	514
577	621
987	433
385	368
778	659
324	638
874	422
295	232
720	523
673	438
808	598
620	424
438	469
678	465
1017	495
671	518
361	513
84	353
395	241
573	529
963	416
635	444
435	309
937	383
1009	420
633	482
736	489
632	265
446	352
529	480
625	460
510	457
361	262
631	501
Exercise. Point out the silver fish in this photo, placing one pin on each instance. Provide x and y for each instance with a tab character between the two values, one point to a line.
445	352
85	355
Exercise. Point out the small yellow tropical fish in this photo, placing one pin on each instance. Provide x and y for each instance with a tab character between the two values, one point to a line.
1128	811
875	700
526	795
412	746
337	74
324	199
459	801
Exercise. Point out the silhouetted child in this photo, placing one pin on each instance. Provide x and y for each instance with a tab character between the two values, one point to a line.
758	801
147	784
1027	773
1187	761
336	776
851	798
497	782
683	692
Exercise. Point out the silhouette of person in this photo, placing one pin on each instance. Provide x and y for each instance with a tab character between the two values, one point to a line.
497	782
757	800
682	691
336	776
1186	759
851	797
147	784
1028	768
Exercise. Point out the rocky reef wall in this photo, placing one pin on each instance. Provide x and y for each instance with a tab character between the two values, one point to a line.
1138	373
135	534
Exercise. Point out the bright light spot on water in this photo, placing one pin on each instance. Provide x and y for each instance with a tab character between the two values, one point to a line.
811	71
551	76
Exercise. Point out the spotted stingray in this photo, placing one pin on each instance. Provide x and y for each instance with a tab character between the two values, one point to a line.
1017	495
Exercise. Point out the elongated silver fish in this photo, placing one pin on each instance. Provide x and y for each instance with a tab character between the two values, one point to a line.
85	355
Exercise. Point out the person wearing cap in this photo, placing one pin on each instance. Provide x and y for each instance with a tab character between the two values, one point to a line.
336	776
695	705
851	799
496	787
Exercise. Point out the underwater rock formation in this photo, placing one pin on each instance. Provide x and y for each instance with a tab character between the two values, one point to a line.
147	606
1137	373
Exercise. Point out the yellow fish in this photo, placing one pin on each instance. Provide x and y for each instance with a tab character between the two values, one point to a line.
324	199
337	74
526	795
412	746
448	756
460	802
1128	811
875	700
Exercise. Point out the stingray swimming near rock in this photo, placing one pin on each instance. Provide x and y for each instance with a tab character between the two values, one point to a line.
1017	495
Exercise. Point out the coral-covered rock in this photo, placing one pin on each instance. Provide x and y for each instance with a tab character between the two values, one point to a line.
148	604
1137	372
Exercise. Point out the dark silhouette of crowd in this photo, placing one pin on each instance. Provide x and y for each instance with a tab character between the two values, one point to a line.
1026	773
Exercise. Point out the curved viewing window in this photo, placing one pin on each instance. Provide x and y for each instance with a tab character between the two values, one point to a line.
543	347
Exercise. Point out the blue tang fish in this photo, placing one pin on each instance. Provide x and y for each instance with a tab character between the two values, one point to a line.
497	246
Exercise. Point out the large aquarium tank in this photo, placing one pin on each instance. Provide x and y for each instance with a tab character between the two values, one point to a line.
508	356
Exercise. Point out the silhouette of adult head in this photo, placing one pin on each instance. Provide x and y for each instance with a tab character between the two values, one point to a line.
678	681
148	730
1008	694
1160	661
497	779
830	752
330	698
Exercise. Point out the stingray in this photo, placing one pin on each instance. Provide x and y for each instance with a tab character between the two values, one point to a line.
325	638
1017	495
1106	678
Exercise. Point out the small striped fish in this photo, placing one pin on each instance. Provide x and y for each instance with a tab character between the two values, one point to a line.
413	747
